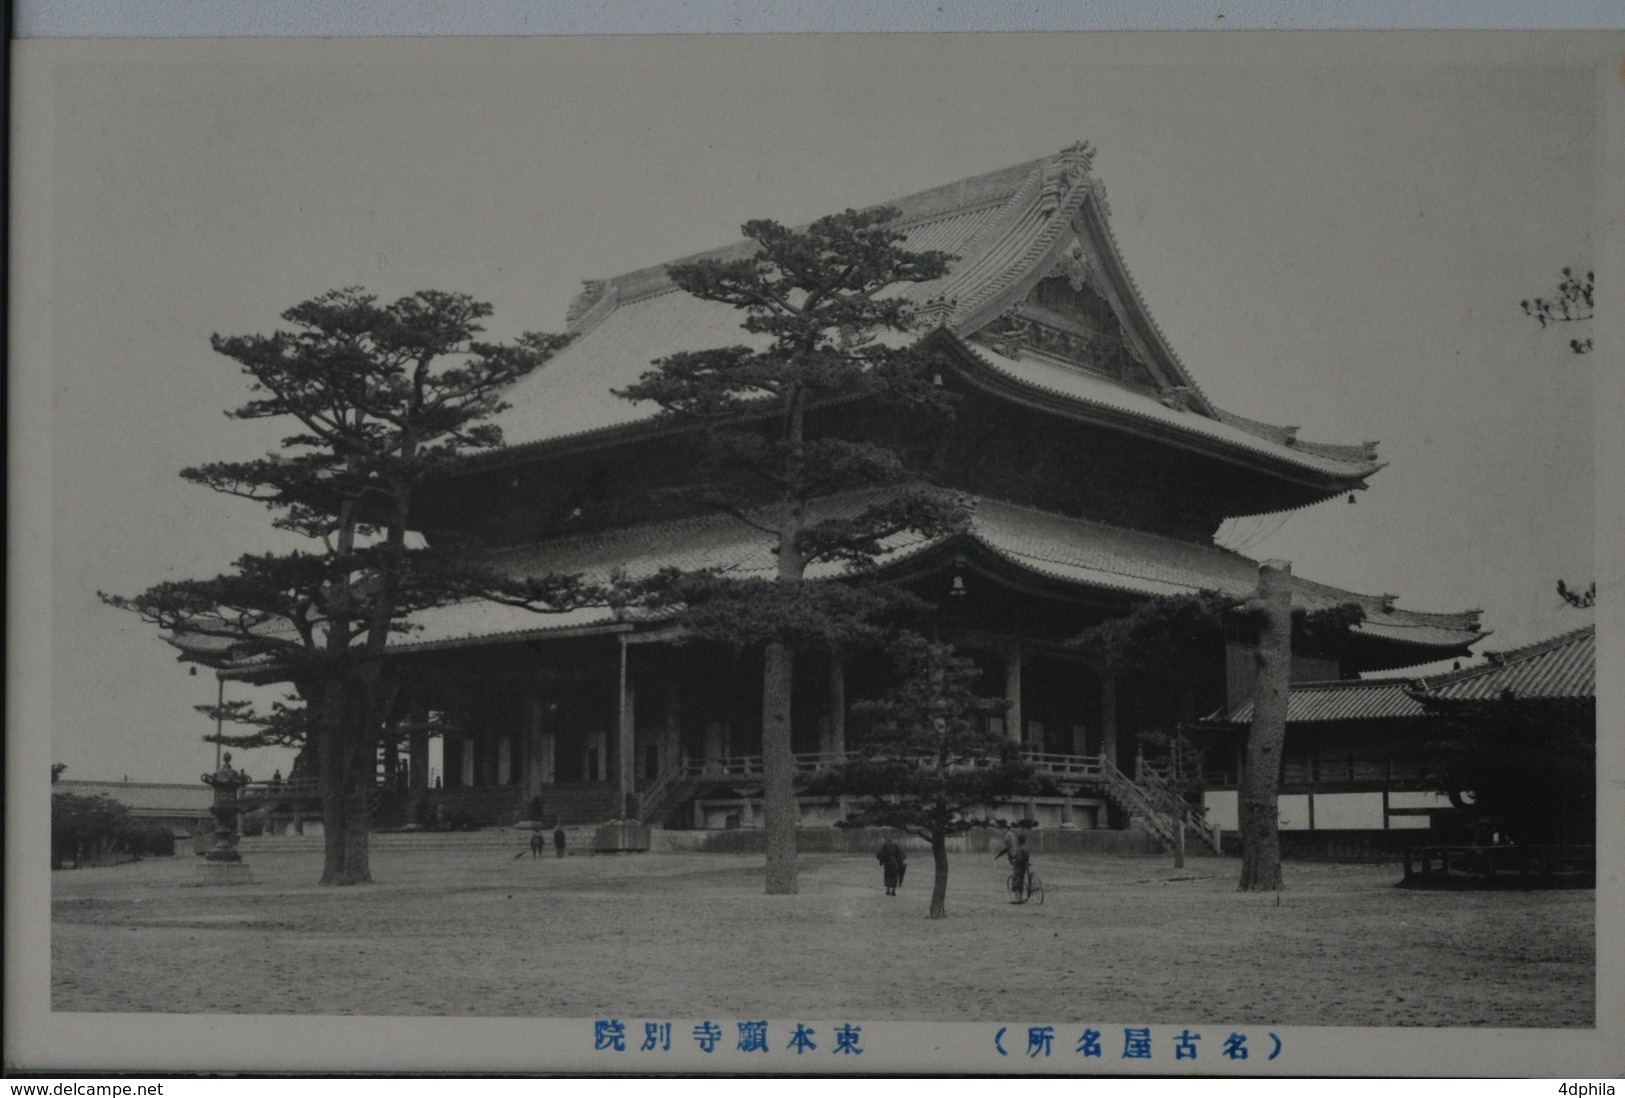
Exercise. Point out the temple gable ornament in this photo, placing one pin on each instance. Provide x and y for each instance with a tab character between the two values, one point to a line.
1065	317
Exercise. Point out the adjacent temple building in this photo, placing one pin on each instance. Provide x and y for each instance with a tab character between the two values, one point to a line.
1099	471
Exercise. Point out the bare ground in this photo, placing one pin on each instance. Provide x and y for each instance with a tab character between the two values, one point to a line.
474	932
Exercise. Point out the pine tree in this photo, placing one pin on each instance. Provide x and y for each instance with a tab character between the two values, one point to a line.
932	759
822	329
380	397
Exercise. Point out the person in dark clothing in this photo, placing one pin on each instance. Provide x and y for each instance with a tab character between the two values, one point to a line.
893	864
558	840
1020	860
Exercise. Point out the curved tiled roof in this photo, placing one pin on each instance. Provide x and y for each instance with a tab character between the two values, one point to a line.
1564	666
1046	376
1008	229
1074	552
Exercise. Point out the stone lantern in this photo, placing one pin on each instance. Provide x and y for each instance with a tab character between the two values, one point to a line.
222	864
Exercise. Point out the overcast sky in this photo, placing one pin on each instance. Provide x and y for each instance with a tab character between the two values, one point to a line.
1332	234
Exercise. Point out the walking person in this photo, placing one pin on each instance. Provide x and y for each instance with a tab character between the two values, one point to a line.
893	864
558	840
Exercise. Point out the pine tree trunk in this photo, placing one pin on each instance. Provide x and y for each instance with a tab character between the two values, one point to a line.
778	770
939	883
1186	715
345	854
1261	782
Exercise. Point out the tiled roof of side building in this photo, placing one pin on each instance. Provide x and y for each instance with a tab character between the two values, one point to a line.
1559	667
146	798
1564	666
1004	227
1339	700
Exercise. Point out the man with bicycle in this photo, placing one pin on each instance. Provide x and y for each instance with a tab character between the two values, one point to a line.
1020	862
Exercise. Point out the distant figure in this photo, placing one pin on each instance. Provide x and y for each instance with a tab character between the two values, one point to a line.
537	844
276	778
536	809
893	864
558	840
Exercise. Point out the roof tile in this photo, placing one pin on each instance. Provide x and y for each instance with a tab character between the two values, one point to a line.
1564	666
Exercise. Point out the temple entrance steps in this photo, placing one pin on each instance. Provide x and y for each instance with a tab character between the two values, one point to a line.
578	803
1156	805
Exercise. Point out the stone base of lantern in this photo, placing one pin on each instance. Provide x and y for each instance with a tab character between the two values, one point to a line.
223	873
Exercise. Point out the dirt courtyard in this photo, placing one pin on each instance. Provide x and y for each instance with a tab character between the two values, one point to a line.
474	932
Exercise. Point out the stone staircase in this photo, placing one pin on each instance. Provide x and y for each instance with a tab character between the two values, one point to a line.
1153	805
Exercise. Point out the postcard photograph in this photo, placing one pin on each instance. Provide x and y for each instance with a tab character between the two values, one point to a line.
813	554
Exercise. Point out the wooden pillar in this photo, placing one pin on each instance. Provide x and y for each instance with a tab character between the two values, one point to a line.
837	701
1108	717
625	754
486	755
1012	691
417	752
531	736
672	753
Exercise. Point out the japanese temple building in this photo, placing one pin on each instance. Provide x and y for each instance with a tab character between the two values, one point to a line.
1099	471
1357	755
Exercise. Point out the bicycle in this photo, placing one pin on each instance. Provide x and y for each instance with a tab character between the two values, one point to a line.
1032	890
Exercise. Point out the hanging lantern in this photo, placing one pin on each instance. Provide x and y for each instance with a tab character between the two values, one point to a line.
957	591
1351	497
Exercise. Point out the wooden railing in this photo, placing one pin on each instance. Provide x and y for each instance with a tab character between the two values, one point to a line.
750	766
287	788
1066	766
